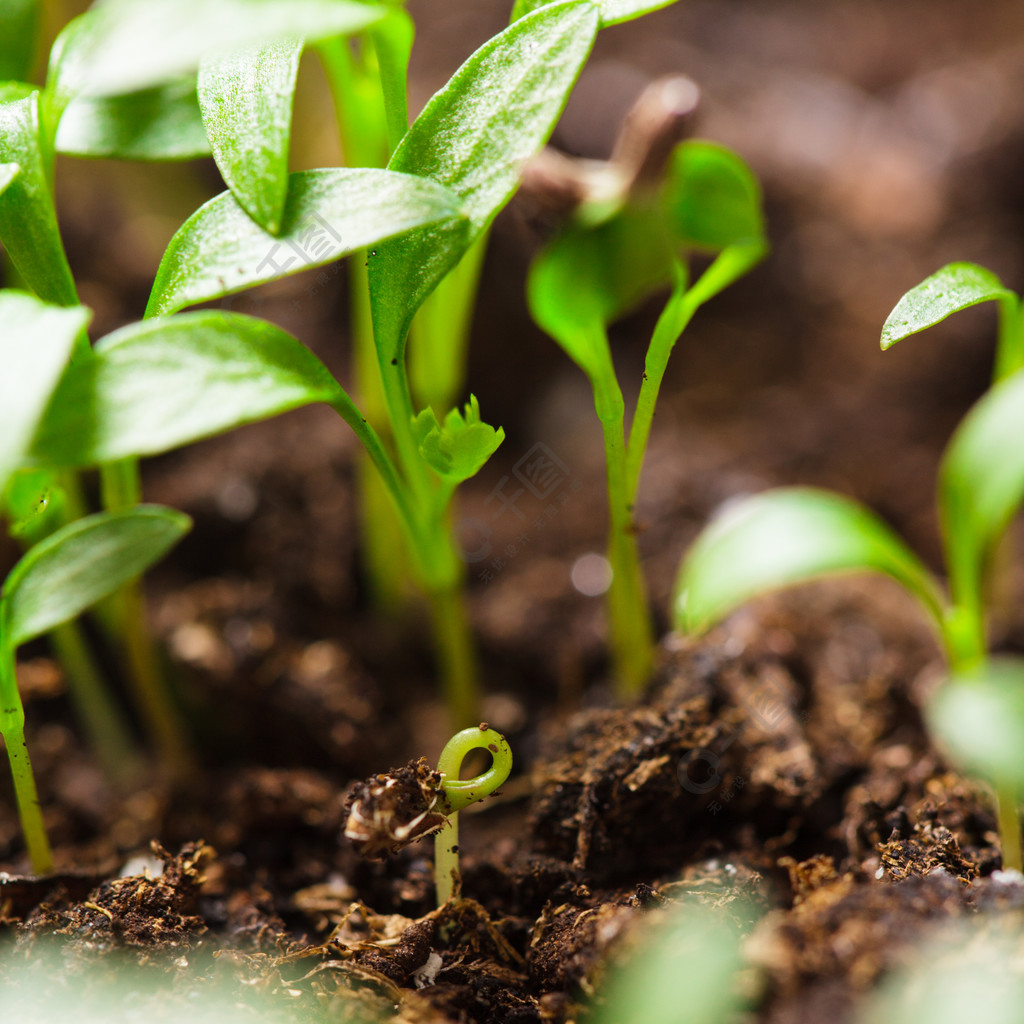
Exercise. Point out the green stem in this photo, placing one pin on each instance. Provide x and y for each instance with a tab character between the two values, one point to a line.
1008	813
456	653
12	728
108	735
459	794
1010	345
631	631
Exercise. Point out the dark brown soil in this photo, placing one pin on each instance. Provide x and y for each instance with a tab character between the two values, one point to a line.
777	769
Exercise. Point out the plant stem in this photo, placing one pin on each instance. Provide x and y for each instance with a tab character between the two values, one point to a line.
628	611
1008	812
12	728
447	879
108	735
456	653
1010	345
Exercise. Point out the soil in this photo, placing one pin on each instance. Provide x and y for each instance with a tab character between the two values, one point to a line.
776	769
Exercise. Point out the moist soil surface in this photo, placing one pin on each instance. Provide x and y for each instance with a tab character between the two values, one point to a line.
776	769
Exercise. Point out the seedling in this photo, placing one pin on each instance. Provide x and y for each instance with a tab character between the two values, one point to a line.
792	535
626	243
390	811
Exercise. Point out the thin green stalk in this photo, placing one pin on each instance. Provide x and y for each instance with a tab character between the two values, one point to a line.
107	733
632	635
1008	813
456	653
1010	345
12	728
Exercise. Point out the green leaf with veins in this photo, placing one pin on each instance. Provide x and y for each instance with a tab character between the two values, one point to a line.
613	12
19	29
328	214
246	97
28	221
135	44
163	123
458	448
82	563
165	382
954	287
784	537
35	346
712	198
981	482
474	137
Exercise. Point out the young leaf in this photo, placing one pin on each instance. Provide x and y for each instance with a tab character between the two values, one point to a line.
473	137
35	345
328	214
954	287
28	221
163	123
457	449
613	12
587	277
136	44
164	382
980	718
981	481
784	537
246	97
81	563
712	197
19	28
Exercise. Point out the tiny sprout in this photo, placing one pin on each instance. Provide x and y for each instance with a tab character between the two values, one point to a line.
392	810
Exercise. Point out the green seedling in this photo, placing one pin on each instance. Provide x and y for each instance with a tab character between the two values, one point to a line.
390	811
619	249
792	535
60	577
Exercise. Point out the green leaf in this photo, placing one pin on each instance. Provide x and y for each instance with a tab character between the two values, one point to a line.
163	123
328	214
613	12
956	286
8	173
35	345
981	482
712	197
587	277
784	537
33	504
473	137
19	29
81	563
28	221
246	97
164	382
457	449
136	44
979	717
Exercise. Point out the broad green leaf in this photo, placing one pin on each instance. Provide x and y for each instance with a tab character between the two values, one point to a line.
712	197
163	123
19	29
35	344
164	382
7	175
28	221
458	448
613	12
328	214
81	563
473	137
981	481
246	97
684	972
587	277
136	44
954	287
980	718
784	537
